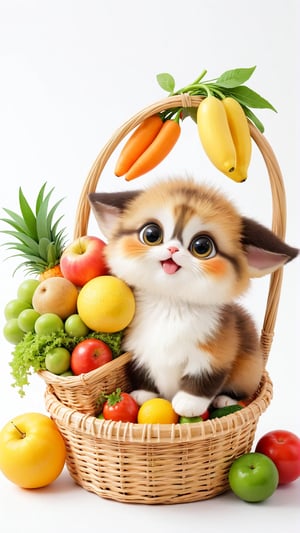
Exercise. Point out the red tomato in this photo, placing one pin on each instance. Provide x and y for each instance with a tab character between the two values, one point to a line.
120	406
283	447
88	355
205	415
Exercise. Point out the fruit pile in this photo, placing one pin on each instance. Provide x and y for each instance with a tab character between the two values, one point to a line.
70	317
121	406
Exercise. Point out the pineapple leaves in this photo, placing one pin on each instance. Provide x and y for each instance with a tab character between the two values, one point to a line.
16	220
43	247
38	240
40	198
25	244
51	254
28	215
43	218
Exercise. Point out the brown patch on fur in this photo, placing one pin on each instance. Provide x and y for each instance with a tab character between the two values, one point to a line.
182	213
139	378
236	349
119	200
257	235
207	384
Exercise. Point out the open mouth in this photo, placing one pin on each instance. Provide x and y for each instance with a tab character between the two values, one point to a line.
169	266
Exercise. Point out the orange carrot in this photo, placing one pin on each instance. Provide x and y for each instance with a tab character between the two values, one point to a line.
139	141
157	151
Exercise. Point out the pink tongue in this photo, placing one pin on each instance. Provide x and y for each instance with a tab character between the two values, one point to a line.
169	266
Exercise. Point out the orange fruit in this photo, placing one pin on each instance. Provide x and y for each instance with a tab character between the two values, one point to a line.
106	304
157	411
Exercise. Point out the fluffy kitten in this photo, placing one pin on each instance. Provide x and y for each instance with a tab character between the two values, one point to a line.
187	254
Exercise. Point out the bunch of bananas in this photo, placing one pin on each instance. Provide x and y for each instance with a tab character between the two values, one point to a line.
223	117
224	132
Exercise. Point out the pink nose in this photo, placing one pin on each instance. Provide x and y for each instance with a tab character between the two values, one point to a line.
173	249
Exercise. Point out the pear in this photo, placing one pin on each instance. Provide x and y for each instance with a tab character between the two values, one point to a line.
55	295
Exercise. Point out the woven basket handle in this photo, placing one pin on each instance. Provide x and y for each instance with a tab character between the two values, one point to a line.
276	184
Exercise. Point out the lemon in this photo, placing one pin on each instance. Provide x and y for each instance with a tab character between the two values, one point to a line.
106	304
157	411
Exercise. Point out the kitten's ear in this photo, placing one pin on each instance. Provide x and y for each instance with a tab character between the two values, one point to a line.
107	208
265	251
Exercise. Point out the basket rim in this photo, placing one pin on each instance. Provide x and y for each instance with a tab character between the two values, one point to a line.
85	378
90	426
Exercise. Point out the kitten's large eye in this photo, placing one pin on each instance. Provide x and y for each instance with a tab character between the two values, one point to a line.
151	234
203	247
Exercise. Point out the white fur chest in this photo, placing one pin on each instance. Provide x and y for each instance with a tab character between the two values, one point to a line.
164	337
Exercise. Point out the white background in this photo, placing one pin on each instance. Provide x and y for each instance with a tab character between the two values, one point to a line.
71	72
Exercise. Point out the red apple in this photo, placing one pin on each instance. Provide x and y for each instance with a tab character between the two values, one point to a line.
89	355
283	447
83	260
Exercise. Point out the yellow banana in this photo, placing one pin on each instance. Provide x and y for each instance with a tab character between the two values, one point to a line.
215	135
241	137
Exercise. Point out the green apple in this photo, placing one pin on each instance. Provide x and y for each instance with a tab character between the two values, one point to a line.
190	419
27	319
12	332
75	327
26	289
253	477
67	374
14	307
48	323
57	360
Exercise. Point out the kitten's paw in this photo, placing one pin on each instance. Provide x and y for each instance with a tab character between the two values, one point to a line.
185	404
223	401
141	396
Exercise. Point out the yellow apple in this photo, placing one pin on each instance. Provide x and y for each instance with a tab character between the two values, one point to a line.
32	450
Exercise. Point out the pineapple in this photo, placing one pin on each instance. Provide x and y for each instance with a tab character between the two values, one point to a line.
38	240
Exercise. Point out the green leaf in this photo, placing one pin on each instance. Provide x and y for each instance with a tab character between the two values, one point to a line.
114	397
16	221
254	119
43	247
31	259
250	98
42	222
190	112
52	229
52	259
166	81
235	77
40	198
28	215
59	237
30	244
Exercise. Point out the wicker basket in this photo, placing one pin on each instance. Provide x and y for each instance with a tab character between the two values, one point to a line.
81	392
158	463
